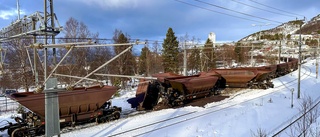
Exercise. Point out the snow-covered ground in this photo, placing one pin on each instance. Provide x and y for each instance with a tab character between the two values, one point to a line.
238	116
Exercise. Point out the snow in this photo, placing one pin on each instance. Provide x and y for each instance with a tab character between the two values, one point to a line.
241	115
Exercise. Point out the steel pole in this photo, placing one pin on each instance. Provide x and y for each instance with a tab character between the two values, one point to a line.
317	55
299	63
185	59
292	90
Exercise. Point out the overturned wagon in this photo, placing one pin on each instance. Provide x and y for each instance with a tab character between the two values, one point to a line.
78	105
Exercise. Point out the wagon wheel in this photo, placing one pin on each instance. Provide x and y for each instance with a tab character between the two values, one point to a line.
10	130
98	120
41	130
116	115
19	132
174	103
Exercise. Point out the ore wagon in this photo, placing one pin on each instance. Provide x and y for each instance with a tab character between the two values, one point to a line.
77	105
190	88
282	69
237	78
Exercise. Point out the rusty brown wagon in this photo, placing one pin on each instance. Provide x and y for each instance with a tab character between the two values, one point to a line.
237	78
78	101
78	105
194	87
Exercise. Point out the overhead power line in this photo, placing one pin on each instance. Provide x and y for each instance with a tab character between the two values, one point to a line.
217	11
262	9
238	12
276	8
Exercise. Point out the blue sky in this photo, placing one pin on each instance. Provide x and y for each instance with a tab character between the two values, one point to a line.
150	19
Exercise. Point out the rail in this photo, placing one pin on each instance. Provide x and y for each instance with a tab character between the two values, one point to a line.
297	118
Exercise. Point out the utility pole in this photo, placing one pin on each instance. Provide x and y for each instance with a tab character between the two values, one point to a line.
18	9
279	53
259	38
299	61
317	54
52	125
251	55
2	59
185	59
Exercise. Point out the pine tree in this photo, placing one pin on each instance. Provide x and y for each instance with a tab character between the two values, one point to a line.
143	61
124	64
170	52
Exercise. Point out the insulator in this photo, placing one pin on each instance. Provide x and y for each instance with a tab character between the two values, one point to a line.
68	47
70	87
39	89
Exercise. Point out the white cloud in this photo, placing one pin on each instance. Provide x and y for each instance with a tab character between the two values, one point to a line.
125	4
8	14
113	3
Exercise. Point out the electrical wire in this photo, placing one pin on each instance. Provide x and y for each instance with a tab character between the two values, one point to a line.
217	11
97	39
238	11
262	9
276	8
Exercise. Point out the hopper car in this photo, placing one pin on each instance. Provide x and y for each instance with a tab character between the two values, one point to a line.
172	89
79	105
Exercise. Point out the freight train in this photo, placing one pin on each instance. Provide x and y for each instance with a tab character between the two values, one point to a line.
91	104
78	105
172	90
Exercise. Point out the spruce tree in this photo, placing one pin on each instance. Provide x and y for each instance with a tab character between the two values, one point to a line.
143	61
126	61
170	52
124	64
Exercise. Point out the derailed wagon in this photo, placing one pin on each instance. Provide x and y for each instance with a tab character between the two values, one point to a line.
237	78
183	90
171	90
78	105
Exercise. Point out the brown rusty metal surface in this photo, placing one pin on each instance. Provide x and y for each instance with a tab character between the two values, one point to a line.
263	75
78	101
162	76
282	66
194	84
142	86
209	73
294	63
237	77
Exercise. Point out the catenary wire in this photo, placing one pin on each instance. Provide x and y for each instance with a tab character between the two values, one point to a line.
276	8
238	11
262	9
217	11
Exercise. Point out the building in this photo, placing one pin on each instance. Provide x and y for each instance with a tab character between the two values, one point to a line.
212	38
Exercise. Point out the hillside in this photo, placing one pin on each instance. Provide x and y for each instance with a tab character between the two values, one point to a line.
286	30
